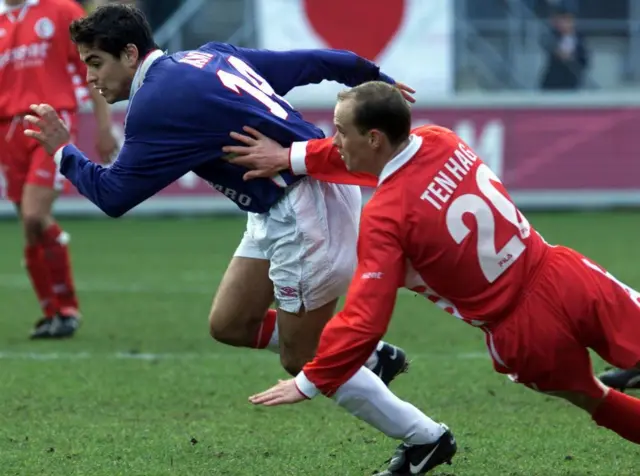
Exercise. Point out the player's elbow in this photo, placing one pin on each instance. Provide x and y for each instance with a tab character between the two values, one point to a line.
115	210
114	213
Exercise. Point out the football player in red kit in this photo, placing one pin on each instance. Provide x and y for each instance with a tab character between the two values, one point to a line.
441	223
39	63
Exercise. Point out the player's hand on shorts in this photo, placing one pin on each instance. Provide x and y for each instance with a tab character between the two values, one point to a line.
51	130
286	391
261	154
107	145
407	92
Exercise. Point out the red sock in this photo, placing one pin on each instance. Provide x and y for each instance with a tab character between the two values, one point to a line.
40	279
620	413
59	262
267	336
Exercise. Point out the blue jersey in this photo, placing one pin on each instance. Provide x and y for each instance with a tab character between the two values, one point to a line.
182	109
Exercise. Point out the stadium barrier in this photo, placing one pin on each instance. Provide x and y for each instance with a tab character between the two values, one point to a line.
576	151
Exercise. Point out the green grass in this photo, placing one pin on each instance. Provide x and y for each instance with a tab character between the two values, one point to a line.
146	287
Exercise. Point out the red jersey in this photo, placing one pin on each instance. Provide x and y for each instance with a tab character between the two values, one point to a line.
441	223
38	60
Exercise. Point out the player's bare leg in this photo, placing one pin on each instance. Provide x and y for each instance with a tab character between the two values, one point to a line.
240	314
609	408
587	403
299	335
240	317
47	263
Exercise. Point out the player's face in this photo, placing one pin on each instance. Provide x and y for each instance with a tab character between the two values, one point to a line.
354	146
565	24
111	76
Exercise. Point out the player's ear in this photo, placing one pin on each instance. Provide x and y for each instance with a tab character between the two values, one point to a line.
130	55
375	138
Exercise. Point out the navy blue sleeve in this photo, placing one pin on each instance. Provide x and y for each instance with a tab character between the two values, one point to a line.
140	171
165	138
285	70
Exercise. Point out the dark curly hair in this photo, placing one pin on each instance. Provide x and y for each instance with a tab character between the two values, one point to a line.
111	28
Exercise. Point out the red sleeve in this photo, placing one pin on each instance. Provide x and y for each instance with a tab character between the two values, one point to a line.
352	335
320	159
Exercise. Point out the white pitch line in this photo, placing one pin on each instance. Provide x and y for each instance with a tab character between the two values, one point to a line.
48	356
11	281
15	281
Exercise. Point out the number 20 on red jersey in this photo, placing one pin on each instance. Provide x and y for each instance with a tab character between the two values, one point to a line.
487	204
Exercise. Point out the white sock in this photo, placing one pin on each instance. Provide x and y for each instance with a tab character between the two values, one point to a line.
274	343
366	397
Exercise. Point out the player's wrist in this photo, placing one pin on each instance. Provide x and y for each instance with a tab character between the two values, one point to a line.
305	386
58	154
386	78
297	158
288	151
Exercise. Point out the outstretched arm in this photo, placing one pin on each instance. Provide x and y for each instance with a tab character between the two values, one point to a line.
320	159
317	158
139	172
285	70
143	167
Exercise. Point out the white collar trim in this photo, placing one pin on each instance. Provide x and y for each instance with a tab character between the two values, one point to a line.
4	8
141	73
415	142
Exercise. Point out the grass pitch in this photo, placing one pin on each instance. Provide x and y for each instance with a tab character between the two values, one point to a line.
143	391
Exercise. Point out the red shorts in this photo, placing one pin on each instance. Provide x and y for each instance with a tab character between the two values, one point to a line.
24	161
572	304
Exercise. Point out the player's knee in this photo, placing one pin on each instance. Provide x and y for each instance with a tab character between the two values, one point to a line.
588	401
34	226
227	330
222	332
292	359
291	363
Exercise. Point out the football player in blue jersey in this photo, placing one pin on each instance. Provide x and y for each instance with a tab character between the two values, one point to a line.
299	244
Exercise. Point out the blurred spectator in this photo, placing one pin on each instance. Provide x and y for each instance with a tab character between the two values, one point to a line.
567	55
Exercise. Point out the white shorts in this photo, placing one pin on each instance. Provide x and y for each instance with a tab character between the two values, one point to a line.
309	237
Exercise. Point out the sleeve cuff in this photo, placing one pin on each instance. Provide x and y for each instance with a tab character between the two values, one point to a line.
57	157
386	78
297	158
305	386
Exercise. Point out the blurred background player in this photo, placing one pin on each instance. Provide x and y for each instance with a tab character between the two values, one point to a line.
39	63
